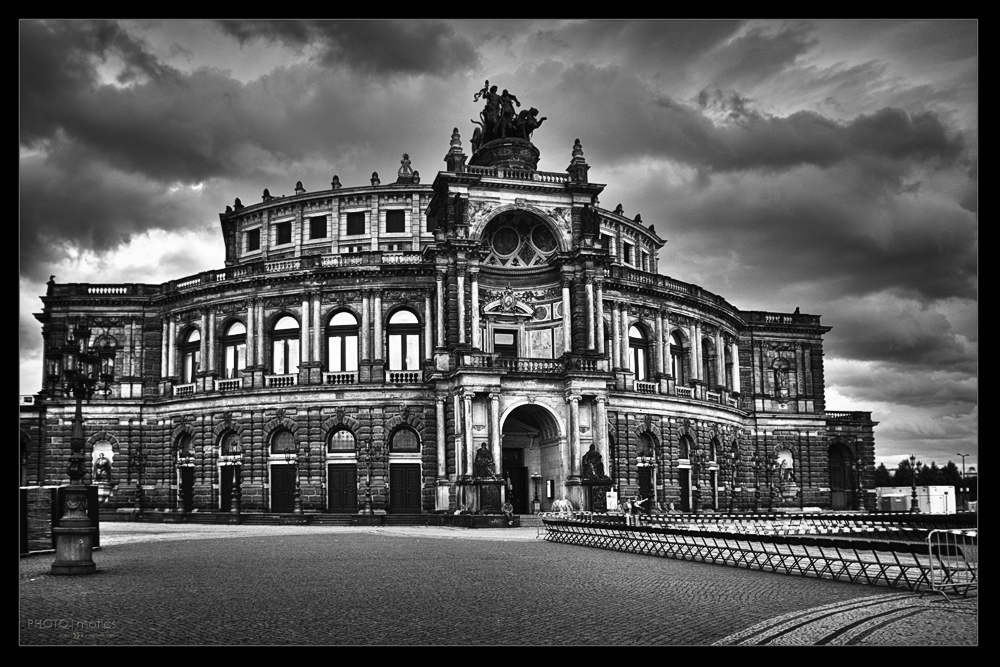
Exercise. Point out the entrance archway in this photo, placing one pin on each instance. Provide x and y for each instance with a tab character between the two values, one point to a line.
841	477
531	447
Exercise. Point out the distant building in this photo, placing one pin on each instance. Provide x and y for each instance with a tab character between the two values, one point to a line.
449	345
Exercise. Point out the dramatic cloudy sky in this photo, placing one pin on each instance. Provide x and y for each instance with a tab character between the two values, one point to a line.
826	165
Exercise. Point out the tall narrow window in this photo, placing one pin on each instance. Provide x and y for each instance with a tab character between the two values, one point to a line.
677	358
342	343
285	346
355	224
395	222
708	370
627	253
234	350
317	227
638	349
404	341
283	233
190	356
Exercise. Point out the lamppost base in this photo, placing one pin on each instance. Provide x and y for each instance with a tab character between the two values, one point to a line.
74	548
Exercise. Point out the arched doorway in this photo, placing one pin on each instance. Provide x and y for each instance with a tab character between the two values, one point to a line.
841	477
531	456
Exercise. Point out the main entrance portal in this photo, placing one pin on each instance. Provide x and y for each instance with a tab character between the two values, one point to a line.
531	450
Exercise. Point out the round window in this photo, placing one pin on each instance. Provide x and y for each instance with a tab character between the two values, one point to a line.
505	241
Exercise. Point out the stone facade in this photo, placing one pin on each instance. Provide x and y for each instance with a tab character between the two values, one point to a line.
385	340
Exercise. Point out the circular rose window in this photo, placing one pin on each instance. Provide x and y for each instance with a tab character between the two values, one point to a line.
542	238
505	241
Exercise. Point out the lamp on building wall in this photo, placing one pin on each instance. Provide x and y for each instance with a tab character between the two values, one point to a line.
74	535
913	483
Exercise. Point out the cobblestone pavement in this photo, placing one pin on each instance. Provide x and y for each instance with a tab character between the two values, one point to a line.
257	585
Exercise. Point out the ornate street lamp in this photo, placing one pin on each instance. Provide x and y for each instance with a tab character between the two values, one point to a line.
536	478
913	482
75	534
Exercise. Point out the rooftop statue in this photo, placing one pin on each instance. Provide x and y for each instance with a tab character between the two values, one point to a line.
500	120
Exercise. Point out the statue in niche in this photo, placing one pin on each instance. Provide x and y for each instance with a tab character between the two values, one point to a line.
593	464
484	466
102	469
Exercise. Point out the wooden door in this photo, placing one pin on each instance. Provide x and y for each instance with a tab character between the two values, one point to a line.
646	486
342	488
187	488
516	475
230	476
404	488
685	480
282	489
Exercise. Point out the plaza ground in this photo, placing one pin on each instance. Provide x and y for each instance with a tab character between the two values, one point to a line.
257	585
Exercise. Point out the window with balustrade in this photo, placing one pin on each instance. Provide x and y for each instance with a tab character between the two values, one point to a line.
233	347
285	346
403	341
342	343
638	358
190	353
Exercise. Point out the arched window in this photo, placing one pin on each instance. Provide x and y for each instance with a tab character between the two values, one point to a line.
677	358
190	356
230	444
404	439
342	343
638	358
685	447
713	450
285	345
341	440
708	366
184	446
403	341
234	350
283	442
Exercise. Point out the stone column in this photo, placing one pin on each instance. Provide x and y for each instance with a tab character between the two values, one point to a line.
261	340
624	316
440	307
378	346
304	357
172	348
459	408
461	306
495	428
695	351
251	334
164	346
203	346
476	338
736	367
428	327
574	434
567	316
720	358
365	326
616	347
442	462
600	426
665	343
470	446
599	314
212	352
591	328
317	328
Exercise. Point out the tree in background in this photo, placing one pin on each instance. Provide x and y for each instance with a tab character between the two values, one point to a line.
882	476
928	475
951	475
903	475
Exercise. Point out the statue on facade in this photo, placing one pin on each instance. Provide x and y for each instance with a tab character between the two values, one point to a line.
484	466
102	469
499	119
527	122
593	465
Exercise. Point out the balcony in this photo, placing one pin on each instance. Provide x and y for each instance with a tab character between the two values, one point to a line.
685	392
646	387
184	389
229	385
404	377
280	381
339	378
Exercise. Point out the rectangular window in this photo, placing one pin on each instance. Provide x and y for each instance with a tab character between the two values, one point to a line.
355	223
283	233
317	227
605	241
253	240
505	343
395	222
644	264
627	253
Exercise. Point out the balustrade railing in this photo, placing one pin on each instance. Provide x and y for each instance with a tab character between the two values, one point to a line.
645	387
713	396
477	359
684	392
234	384
525	365
279	381
183	389
339	378
403	377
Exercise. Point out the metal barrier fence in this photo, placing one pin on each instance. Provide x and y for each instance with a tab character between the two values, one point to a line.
876	563
954	561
